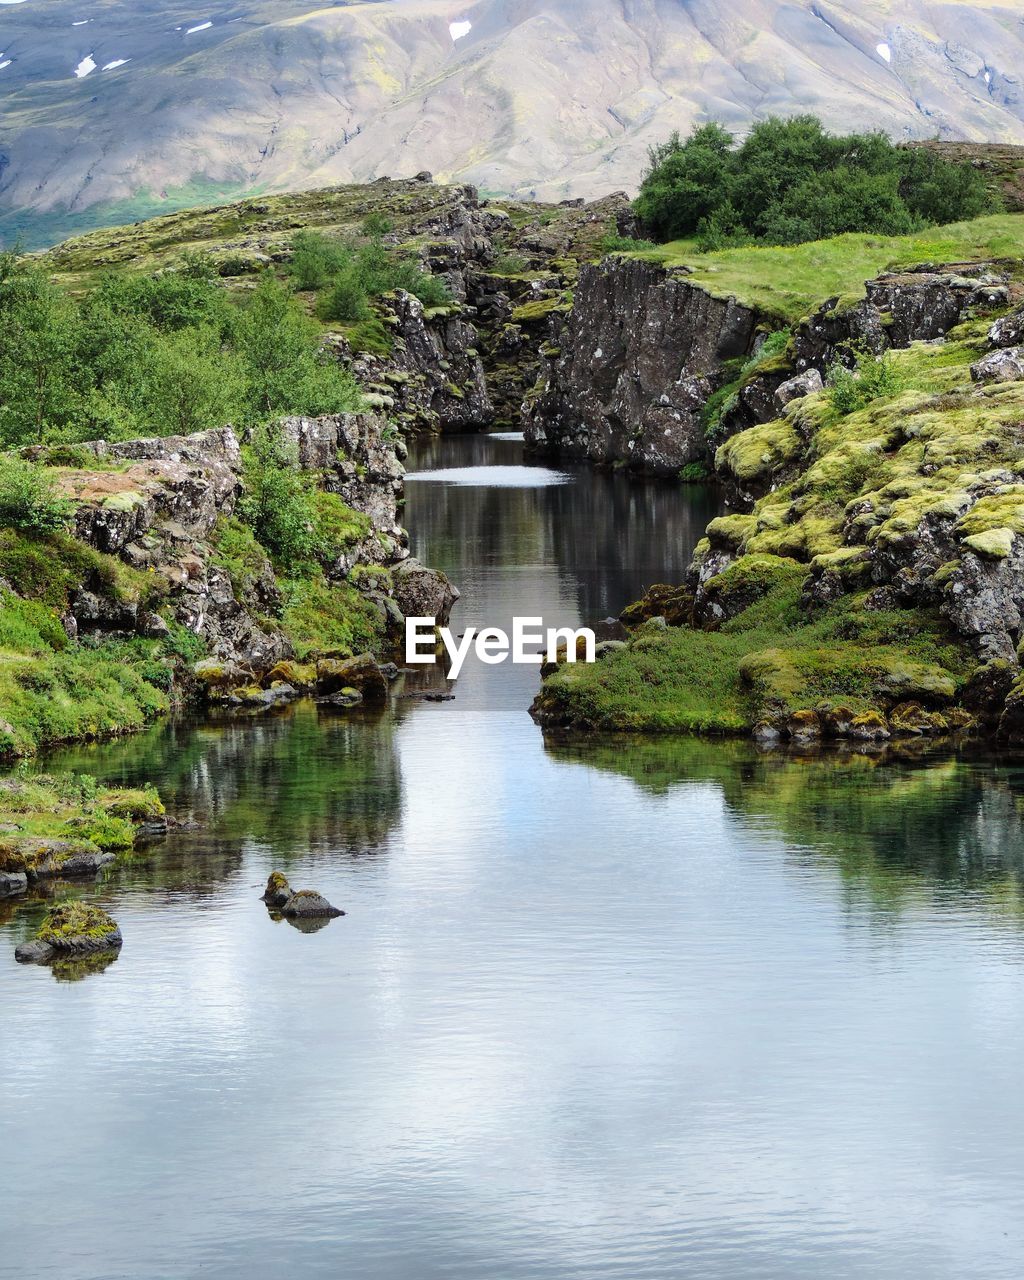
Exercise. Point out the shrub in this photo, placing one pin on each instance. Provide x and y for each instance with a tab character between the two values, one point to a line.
316	259
28	498
377	224
872	378
790	181
283	368
277	503
345	301
612	242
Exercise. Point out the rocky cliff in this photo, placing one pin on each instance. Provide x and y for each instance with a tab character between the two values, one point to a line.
166	509
868	584
631	367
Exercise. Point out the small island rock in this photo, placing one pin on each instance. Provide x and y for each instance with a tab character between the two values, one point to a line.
71	928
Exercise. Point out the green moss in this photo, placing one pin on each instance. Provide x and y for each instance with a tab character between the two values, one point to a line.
320	617
50	569
52	692
73	807
754	456
536	310
71	921
993	544
764	665
236	551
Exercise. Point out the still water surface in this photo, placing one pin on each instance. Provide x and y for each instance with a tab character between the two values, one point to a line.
630	1009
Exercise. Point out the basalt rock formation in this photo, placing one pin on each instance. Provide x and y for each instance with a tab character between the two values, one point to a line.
632	367
160	506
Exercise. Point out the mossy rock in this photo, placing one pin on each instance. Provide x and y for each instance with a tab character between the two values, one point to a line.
747	579
993	544
300	675
71	929
754	456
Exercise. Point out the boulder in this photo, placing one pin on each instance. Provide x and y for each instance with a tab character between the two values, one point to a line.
804	384
1000	366
278	890
12	882
308	904
42	856
1008	331
343	675
423	593
71	928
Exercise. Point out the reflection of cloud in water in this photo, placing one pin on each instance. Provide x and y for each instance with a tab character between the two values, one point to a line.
493	477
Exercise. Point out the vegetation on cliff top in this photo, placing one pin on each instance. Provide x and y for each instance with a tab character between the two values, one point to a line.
790	181
786	282
165	354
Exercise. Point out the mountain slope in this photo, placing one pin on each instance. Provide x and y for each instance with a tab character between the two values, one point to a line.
549	97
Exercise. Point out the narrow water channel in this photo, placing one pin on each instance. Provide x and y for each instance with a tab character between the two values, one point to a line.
621	1009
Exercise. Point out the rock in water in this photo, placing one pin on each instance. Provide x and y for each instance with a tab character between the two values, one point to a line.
307	904
302	904
278	890
12	882
70	929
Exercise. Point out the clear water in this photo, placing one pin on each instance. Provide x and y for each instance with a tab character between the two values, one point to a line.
627	1009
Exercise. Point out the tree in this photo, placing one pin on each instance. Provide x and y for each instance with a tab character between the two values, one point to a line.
281	361
37	388
791	181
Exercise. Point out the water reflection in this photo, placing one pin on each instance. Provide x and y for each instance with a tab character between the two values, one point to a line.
620	1009
894	822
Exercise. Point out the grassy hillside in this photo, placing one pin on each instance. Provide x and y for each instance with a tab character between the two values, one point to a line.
786	282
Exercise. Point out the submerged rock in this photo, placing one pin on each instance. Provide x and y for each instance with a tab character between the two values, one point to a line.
71	929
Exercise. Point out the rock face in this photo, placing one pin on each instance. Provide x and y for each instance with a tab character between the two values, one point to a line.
641	351
469	364
898	308
636	361
434	378
160	512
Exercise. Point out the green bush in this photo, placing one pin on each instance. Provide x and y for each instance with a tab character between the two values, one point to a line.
344	302
612	242
377	224
316	259
28	498
872	378
790	181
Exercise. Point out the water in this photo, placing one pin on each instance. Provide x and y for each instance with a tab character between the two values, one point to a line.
626	1009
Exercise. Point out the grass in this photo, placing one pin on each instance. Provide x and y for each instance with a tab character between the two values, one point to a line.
768	663
328	618
73	807
787	282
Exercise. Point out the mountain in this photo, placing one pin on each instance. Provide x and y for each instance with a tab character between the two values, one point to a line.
112	111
